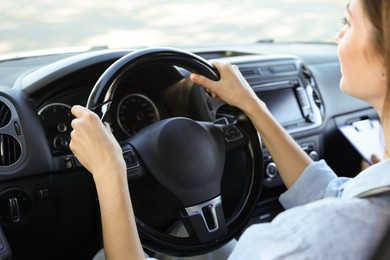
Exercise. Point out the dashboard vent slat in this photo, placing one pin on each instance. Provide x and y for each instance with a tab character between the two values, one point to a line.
5	114
10	150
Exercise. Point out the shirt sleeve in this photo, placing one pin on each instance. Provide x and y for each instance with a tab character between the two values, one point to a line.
332	228
317	181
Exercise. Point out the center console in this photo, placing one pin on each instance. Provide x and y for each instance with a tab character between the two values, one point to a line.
286	86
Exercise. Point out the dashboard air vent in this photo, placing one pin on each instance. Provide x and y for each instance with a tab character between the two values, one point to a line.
316	94
5	114
10	150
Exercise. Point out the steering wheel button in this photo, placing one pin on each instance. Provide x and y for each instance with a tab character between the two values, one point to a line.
231	133
130	159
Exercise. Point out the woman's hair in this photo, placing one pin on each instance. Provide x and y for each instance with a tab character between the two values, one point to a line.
378	12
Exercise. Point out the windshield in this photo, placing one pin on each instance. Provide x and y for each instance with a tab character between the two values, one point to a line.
27	25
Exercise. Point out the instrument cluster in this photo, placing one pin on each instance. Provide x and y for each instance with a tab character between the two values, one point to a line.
127	115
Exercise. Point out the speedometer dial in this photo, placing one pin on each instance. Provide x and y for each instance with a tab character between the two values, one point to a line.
56	119
135	111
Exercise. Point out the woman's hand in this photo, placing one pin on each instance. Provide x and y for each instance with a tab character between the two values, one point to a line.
231	88
93	143
374	159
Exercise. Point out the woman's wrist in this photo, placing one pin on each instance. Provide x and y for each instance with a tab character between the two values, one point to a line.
253	107
113	169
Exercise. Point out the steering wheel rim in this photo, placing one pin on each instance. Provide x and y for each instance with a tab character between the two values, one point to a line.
152	239
140	58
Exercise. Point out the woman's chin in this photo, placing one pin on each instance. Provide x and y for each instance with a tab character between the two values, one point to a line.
342	86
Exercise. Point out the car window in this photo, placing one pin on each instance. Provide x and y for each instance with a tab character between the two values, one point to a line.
41	24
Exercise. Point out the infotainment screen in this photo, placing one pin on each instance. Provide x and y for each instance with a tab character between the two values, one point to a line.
283	105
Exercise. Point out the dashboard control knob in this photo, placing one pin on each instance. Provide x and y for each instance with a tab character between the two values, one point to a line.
271	170
314	156
61	142
15	206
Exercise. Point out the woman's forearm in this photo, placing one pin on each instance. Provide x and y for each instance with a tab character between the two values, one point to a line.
121	240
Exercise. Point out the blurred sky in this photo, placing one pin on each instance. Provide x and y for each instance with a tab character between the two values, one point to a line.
46	24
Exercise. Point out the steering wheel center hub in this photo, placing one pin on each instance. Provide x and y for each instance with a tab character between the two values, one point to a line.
185	156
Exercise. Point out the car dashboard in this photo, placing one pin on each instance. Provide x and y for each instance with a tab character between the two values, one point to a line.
41	193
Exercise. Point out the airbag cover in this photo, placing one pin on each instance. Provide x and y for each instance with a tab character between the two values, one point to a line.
185	156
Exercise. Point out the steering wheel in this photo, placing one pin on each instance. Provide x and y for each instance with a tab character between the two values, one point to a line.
207	175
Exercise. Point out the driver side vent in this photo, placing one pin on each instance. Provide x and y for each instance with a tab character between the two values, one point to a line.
10	150
5	114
